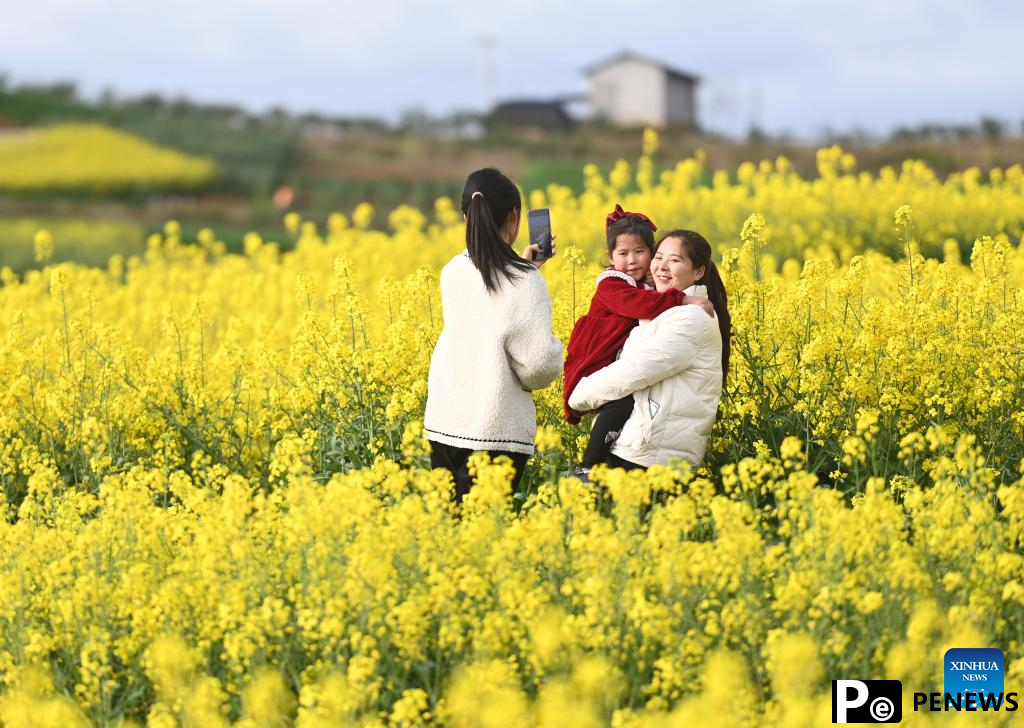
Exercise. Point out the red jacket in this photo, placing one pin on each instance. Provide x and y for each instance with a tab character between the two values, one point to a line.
618	304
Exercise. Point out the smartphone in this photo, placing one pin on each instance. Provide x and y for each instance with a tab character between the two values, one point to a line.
540	231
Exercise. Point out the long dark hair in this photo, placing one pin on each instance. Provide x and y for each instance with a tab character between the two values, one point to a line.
630	226
698	250
484	212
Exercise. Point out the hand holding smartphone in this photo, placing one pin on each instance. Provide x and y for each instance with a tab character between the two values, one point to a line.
539	221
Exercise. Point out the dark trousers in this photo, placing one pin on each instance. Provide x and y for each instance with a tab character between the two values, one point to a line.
614	461
611	417
454	460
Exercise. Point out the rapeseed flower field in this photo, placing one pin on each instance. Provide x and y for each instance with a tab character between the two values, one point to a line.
217	510
95	159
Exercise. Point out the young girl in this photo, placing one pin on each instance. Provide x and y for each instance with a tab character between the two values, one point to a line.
622	298
496	345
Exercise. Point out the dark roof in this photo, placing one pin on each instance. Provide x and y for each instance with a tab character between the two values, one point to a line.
630	56
531	112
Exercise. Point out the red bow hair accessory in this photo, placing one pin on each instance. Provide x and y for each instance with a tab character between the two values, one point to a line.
618	213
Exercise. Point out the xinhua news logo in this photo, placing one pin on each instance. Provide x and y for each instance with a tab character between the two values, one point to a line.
867	701
977	671
973	681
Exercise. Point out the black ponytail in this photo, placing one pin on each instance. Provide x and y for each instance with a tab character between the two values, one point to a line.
698	250
487	200
716	294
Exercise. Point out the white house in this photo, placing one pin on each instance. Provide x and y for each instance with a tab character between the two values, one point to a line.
630	90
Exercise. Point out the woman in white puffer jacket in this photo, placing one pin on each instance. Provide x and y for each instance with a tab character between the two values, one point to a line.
674	365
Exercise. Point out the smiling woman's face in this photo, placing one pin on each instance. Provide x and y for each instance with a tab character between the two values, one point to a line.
672	268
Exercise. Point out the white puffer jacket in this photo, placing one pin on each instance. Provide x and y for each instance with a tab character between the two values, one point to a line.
673	367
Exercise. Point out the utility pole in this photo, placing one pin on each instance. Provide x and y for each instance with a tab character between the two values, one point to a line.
723	106
756	101
487	45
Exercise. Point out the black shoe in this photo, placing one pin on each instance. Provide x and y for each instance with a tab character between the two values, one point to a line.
582	475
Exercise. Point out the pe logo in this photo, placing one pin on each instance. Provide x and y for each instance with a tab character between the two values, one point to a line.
867	701
977	670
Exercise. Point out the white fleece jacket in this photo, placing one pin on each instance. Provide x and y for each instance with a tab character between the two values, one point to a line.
673	367
493	350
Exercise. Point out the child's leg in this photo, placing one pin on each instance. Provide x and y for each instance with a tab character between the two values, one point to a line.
610	419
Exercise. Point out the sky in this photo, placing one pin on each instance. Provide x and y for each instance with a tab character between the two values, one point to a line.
789	66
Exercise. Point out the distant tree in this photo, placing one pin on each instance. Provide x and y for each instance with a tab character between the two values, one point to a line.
359	124
756	135
460	125
903	134
149	102
278	116
64	90
991	128
964	131
182	104
225	111
856	135
415	121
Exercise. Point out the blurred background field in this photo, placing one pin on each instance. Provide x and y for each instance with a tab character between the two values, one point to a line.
86	241
94	160
103	174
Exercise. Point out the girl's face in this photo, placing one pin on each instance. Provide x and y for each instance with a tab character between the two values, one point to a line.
631	256
672	268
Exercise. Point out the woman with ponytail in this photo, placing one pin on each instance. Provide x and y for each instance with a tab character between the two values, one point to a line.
496	345
674	365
